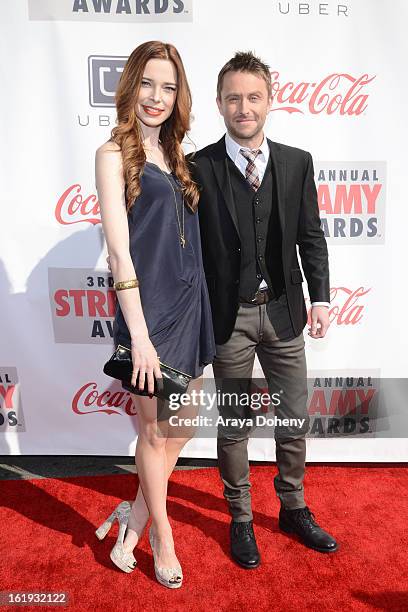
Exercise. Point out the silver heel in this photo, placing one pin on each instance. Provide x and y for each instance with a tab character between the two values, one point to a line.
171	577
120	557
105	527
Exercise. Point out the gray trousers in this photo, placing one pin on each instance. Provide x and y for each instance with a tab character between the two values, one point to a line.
282	358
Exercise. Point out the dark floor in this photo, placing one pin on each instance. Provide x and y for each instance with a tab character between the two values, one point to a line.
14	467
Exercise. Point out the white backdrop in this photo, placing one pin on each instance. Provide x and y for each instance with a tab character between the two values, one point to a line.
339	73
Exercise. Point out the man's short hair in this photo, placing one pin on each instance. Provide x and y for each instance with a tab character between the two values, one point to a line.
245	61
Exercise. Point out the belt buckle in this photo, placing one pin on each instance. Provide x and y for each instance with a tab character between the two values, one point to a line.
255	299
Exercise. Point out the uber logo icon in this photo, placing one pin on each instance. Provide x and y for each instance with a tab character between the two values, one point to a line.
103	74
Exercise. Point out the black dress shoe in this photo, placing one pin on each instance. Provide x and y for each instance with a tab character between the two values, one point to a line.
301	521
243	544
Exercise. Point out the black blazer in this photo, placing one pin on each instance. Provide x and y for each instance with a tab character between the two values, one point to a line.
299	224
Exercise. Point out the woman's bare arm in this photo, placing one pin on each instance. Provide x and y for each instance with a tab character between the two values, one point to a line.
110	188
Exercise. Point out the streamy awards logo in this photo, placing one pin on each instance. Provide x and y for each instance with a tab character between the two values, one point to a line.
11	409
343	403
352	200
119	11
83	304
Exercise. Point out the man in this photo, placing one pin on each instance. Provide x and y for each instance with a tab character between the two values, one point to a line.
258	201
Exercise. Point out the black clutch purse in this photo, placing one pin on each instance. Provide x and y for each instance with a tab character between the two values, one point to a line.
120	366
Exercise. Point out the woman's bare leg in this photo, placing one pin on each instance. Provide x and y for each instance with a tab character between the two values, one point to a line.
175	439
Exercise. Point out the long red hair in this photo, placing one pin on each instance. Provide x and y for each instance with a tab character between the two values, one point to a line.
128	135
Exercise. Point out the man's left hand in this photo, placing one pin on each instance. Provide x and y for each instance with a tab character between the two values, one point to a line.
320	322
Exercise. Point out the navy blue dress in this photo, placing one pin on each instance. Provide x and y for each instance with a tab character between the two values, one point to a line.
172	287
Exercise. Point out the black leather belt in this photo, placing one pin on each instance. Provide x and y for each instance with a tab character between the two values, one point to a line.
260	297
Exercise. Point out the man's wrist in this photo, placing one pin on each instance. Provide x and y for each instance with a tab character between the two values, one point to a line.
327	304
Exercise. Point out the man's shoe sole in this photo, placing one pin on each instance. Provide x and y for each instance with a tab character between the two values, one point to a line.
286	529
245	565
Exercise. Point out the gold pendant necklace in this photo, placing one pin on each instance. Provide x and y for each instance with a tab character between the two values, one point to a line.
180	226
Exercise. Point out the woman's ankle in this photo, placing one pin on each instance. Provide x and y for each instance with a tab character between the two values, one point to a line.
137	519
162	531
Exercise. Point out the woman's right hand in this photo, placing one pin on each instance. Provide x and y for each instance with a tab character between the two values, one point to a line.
145	363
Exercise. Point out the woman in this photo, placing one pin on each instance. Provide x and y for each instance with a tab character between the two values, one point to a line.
149	216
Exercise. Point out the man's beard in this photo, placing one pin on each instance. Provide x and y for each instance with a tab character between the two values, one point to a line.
246	136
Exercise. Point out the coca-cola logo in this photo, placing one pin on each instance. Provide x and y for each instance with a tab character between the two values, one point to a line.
345	308
89	400
73	207
339	93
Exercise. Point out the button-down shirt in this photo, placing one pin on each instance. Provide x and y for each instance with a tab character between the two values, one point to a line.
261	161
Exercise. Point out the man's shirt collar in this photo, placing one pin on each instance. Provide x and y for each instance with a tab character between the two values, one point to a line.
233	148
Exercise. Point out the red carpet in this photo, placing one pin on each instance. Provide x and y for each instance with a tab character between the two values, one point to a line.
47	543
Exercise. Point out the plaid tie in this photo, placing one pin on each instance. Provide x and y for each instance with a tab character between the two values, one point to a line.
251	171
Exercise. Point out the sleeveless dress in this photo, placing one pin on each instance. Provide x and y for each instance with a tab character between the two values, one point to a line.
173	289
